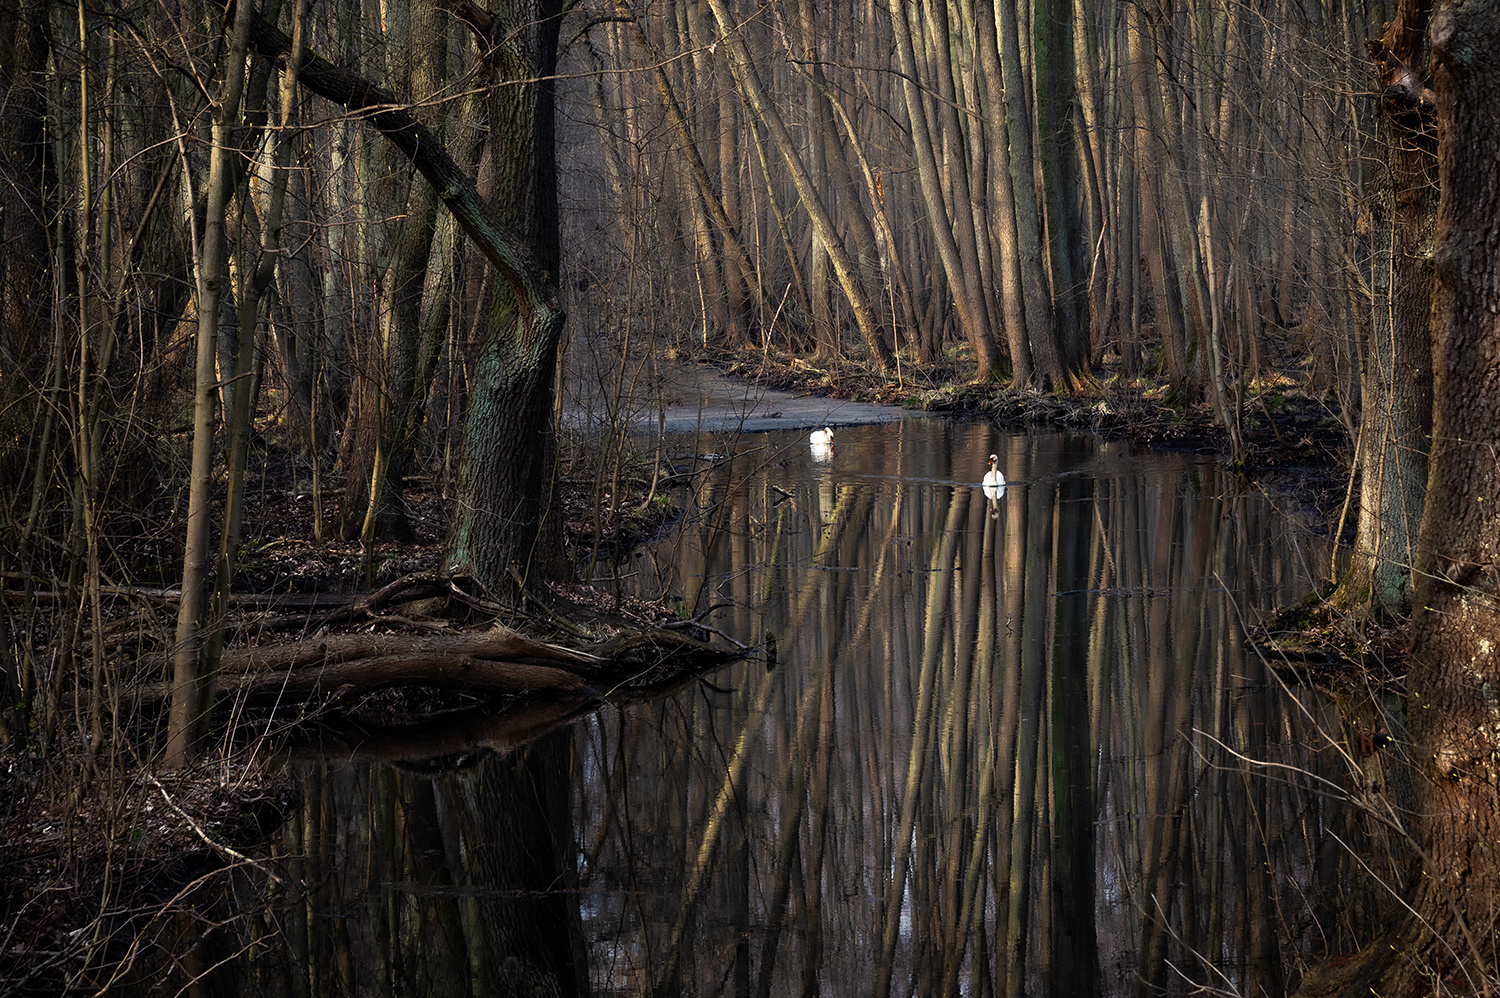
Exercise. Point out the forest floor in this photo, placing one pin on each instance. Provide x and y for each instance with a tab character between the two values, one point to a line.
112	857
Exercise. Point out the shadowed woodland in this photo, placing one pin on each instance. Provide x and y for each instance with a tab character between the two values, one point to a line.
292	298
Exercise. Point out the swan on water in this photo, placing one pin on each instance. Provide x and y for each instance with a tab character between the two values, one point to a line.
993	479
821	438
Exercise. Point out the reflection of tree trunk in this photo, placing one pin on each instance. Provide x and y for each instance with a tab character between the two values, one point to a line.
518	840
1074	943
970	901
1011	608
1032	686
934	632
1175	637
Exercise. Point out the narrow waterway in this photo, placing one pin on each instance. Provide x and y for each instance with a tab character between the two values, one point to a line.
990	744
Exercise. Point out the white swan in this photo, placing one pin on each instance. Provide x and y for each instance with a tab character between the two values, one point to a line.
993	479
994	487
821	438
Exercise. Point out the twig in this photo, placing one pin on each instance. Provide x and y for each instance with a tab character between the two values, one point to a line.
198	829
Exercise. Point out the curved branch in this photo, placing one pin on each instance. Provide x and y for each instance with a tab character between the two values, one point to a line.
513	257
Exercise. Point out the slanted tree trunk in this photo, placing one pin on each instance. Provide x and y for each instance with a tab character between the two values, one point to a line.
951	238
505	524
502	525
748	80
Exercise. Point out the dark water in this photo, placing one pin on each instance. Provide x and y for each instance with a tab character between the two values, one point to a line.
1010	745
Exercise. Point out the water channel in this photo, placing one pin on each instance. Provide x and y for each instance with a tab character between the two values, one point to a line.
1005	744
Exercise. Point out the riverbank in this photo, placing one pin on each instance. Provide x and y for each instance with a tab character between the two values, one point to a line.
1295	444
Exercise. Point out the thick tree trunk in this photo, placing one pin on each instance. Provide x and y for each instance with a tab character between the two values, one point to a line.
1396	391
1455	714
1057	111
1447	944
1030	239
502	525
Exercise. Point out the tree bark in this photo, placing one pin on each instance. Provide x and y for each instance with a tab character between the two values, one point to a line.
1447	942
502	527
191	674
1455	671
1035	292
1057	111
1396	390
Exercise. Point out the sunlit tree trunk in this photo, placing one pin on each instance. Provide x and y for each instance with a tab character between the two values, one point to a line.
1447	941
1012	310
1396	390
748	80
191	676
925	137
702	184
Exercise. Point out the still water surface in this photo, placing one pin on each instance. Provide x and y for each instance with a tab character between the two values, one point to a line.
1004	745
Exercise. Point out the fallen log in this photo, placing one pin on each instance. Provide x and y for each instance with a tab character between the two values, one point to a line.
317	671
499	643
316	684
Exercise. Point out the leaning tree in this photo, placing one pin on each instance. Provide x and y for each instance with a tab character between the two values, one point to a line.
503	528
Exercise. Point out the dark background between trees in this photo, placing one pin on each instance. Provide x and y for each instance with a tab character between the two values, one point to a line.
213	247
